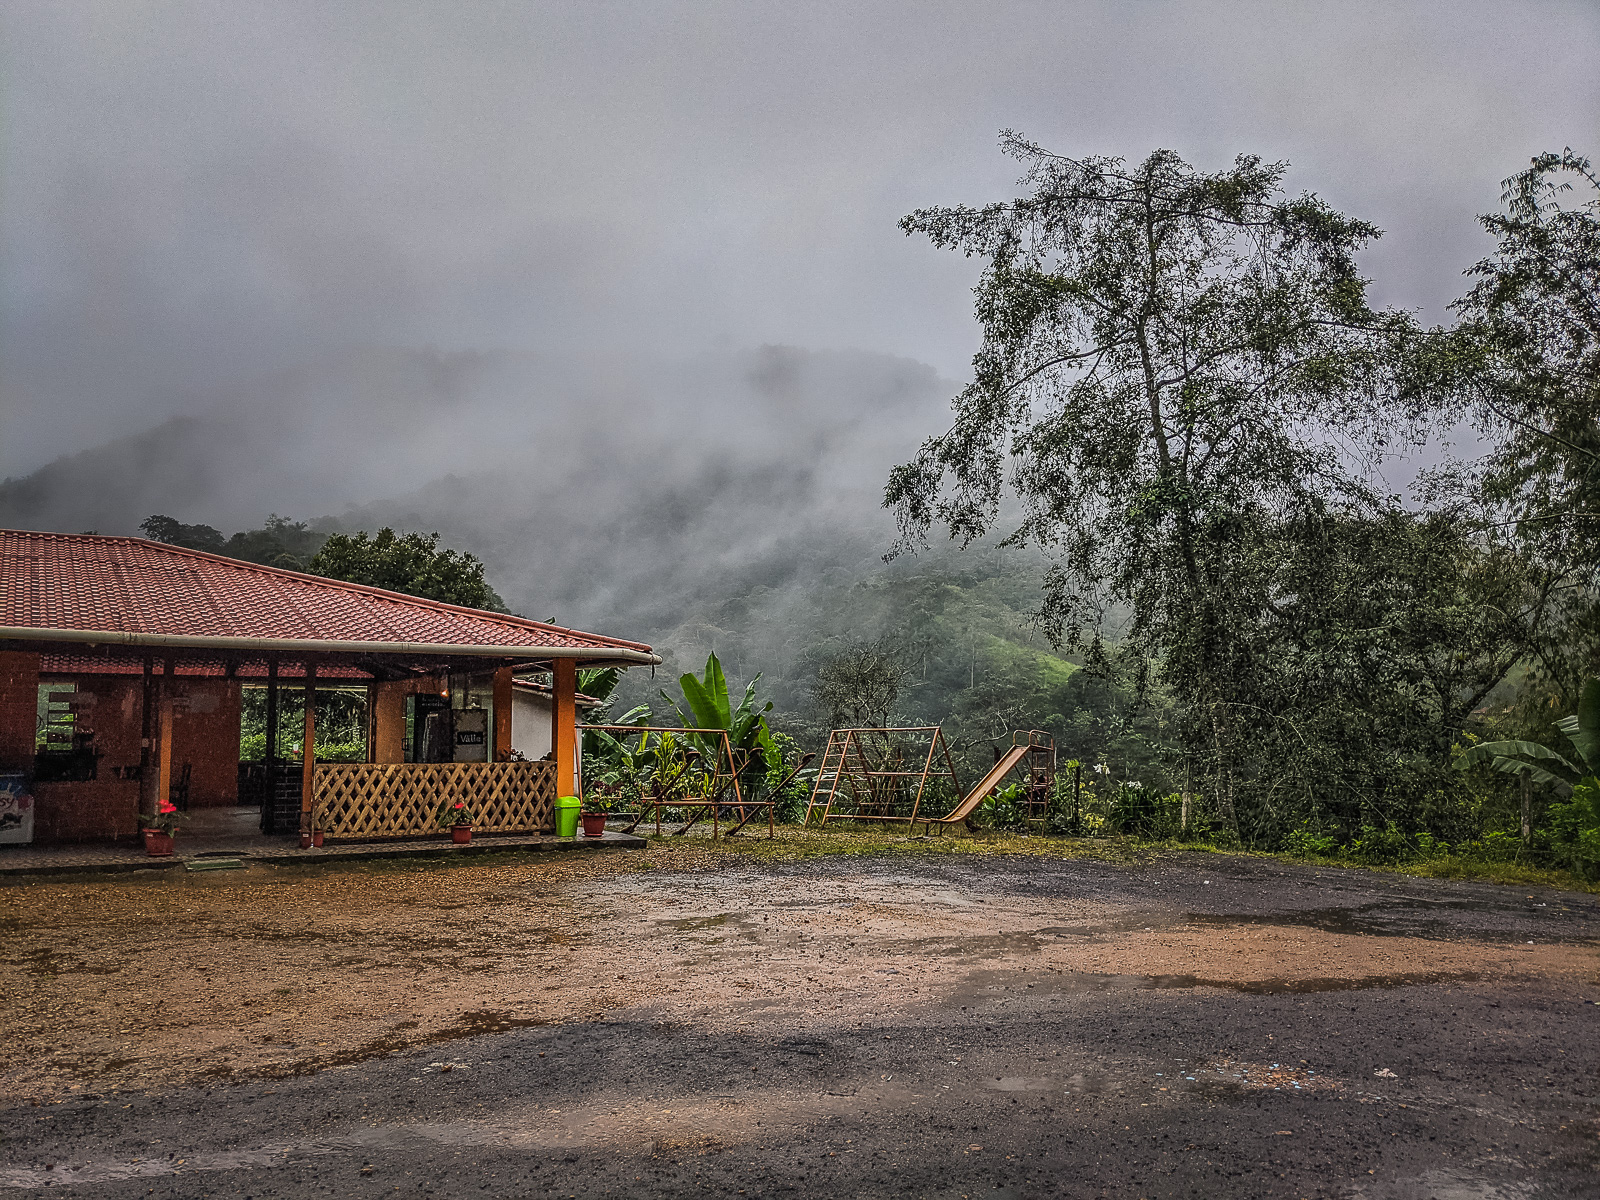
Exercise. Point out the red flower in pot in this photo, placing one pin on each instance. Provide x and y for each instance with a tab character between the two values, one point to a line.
456	816
158	828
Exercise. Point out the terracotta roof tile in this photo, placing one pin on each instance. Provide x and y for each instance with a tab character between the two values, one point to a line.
130	585
125	664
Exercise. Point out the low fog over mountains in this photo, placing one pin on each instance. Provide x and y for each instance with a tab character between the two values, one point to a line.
691	503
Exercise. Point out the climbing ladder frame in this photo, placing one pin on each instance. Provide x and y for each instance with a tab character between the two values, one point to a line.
862	772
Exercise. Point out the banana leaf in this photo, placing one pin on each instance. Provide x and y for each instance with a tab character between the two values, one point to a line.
1583	727
709	707
1541	763
1517	757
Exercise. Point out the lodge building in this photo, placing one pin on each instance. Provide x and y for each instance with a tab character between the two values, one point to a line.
130	670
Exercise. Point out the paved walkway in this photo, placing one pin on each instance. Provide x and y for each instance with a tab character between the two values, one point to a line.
235	833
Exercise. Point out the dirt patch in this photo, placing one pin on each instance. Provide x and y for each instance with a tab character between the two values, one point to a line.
272	973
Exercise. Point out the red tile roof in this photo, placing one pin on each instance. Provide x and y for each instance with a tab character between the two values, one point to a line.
133	664
132	586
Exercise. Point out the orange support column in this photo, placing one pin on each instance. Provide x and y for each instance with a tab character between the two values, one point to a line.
500	751
167	692
563	724
389	721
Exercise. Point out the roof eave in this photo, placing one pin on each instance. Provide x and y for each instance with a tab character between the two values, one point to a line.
611	655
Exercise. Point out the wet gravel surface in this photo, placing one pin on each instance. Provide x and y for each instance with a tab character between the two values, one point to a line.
1013	1074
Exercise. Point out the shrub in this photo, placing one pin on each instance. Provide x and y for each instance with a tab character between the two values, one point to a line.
1003	810
1430	847
1309	843
1575	828
1380	847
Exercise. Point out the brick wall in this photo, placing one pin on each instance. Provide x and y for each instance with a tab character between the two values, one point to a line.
106	806
19	709
85	812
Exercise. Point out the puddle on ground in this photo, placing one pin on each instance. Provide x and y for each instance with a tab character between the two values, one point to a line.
687	924
1001	987
1296	987
1020	1083
469	1024
1442	1185
1390	917
1223	1076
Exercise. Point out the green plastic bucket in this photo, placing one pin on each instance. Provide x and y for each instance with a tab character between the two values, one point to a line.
567	808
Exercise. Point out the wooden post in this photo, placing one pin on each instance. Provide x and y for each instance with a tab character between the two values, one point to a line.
500	750
164	735
308	753
1527	809
389	721
1188	795
270	758
563	724
1077	794
147	735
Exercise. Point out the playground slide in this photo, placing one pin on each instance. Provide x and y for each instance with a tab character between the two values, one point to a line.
988	783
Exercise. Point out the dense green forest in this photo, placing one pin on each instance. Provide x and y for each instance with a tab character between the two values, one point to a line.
1185	389
1183	400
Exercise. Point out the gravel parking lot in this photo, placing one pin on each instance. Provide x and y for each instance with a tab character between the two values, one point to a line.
684	1021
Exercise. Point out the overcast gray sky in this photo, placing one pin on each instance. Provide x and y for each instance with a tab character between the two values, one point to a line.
195	195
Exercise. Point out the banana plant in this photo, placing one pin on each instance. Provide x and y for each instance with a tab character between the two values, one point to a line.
710	707
599	682
1539	761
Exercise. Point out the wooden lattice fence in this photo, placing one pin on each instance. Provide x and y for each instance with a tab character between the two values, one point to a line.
379	800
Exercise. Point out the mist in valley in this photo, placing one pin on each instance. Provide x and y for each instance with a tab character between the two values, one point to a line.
614	298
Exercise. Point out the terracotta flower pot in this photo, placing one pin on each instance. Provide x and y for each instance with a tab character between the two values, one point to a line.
594	824
316	837
461	834
305	841
157	844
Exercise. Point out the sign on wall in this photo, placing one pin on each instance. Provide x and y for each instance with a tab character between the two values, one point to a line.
16	808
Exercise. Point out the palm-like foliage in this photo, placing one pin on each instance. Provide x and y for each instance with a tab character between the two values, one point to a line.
599	682
1543	764
710	707
657	766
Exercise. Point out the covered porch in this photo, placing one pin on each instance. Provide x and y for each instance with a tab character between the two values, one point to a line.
230	839
120	733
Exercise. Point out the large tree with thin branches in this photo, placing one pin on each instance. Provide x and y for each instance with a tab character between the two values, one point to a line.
1172	361
1527	353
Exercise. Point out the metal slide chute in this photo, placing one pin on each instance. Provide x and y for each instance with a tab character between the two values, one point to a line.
986	785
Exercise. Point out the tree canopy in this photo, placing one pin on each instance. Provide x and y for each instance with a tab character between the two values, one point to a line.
412	563
279	542
1175	365
1527	351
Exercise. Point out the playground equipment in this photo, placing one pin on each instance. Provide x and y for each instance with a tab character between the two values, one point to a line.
867	774
673	773
1038	773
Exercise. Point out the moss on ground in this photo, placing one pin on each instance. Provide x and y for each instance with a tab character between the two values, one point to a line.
794	843
1450	867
